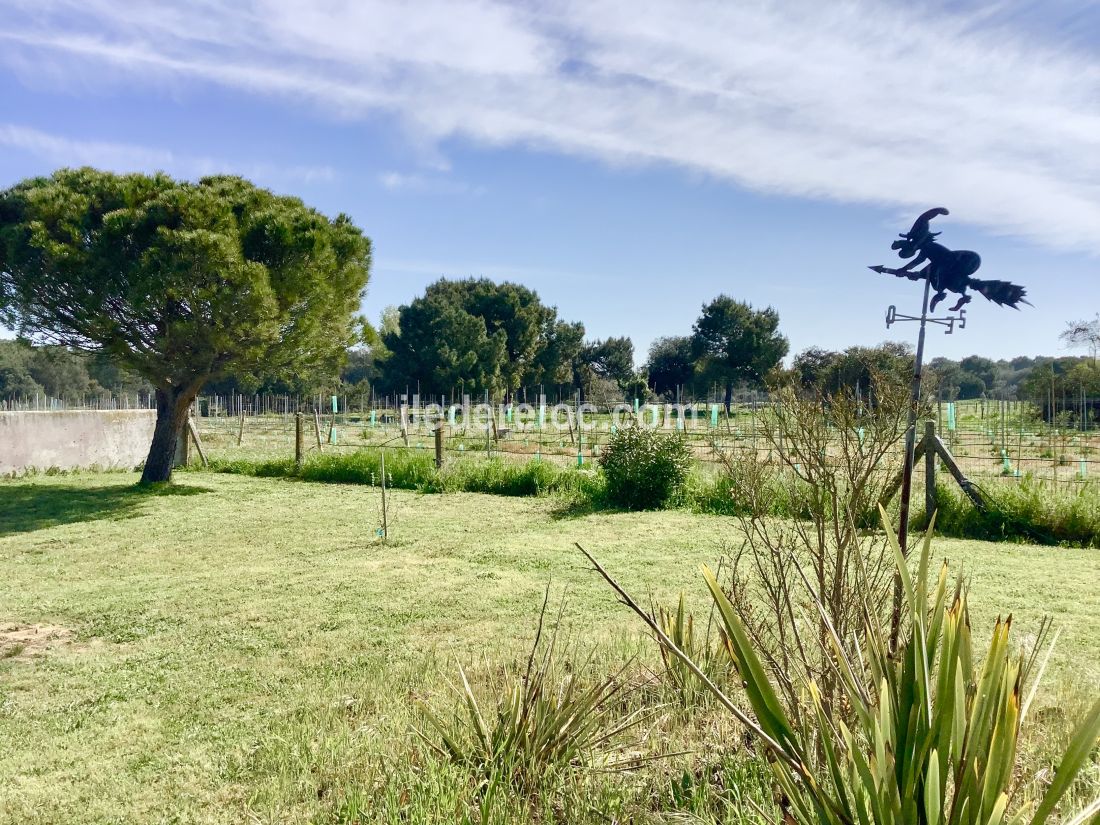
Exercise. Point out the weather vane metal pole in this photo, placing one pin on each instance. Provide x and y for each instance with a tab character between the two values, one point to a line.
946	271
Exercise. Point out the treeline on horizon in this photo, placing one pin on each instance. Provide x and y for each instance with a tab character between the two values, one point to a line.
473	336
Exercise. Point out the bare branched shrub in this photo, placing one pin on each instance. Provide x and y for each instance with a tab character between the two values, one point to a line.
826	463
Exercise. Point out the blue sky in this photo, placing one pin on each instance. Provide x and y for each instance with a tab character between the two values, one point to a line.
628	160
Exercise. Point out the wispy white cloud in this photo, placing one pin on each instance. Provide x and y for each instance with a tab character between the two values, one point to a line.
430	184
857	101
126	157
61	150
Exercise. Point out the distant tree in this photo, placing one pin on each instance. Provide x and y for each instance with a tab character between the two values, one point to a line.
984	369
442	348
947	374
61	372
508	310
811	367
857	367
970	387
953	382
1084	333
636	387
390	322
670	364
110	377
561	354
359	370
179	282
740	344
511	340
611	359
16	381
1065	378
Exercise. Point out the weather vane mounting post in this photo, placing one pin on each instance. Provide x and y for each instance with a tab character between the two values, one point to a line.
946	271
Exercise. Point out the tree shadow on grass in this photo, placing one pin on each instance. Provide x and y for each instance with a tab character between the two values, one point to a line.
28	507
569	509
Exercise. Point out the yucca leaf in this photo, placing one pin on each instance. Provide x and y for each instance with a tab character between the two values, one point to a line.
1039	676
900	562
478	723
832	758
933	806
1074	759
868	787
1086	814
997	814
762	696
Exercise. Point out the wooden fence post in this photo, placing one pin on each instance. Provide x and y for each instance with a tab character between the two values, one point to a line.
299	439
198	441
317	428
929	469
439	446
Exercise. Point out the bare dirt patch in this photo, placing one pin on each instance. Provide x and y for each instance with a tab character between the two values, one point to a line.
29	640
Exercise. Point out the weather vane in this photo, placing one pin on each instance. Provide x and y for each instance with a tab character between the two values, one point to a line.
946	271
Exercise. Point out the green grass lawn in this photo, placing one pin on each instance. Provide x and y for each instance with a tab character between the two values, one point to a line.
246	650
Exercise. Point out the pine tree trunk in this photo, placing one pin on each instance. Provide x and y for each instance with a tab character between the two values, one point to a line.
729	397
172	408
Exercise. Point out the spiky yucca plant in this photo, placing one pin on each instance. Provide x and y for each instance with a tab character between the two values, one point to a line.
548	719
679	626
932	738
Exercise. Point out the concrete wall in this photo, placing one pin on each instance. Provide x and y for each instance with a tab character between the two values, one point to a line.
73	439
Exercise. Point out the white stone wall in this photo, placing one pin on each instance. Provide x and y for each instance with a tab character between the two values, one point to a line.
74	439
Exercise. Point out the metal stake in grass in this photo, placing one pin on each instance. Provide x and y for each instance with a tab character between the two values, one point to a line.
382	470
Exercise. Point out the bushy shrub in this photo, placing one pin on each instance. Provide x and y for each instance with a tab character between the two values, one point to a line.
645	469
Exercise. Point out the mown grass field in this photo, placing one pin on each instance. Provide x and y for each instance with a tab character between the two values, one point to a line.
246	650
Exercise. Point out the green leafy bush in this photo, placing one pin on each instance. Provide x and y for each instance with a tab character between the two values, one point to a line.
645	469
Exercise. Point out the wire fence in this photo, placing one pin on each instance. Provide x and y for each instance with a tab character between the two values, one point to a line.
990	440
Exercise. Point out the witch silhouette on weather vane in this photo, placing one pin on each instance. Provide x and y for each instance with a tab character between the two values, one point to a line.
947	270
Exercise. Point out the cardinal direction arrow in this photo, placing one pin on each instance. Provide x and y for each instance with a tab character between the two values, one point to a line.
952	322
